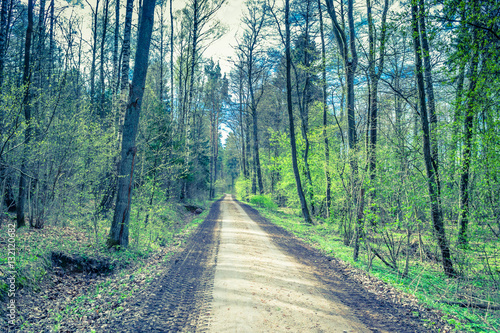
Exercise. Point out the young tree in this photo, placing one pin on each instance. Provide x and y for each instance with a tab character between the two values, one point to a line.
349	58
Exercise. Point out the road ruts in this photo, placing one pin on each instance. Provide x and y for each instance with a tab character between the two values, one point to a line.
179	300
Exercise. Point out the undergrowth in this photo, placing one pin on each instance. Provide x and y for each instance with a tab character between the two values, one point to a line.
86	240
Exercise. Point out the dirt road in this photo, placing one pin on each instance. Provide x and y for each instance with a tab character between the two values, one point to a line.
240	273
259	288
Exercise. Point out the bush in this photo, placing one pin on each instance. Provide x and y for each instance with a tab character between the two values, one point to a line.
264	201
243	188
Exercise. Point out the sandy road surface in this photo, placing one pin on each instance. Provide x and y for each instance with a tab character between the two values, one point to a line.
259	288
240	273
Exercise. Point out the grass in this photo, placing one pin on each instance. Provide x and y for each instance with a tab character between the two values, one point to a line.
425	280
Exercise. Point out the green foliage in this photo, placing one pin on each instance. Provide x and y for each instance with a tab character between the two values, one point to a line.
243	188
263	201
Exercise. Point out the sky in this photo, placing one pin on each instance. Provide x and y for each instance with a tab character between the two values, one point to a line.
230	15
221	50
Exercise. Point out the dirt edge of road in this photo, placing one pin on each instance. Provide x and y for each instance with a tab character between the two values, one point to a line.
178	300
373	310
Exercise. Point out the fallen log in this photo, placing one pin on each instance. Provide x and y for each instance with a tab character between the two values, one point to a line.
464	304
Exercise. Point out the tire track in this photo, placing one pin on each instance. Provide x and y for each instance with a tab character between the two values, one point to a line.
179	300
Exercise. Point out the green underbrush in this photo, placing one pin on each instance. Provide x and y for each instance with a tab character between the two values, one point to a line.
412	271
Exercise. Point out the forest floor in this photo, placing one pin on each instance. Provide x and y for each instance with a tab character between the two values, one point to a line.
237	272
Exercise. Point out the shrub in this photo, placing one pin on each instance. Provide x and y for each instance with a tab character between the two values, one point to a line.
264	201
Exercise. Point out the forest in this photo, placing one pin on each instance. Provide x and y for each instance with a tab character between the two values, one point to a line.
374	122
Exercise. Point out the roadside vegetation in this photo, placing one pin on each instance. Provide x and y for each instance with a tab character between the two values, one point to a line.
68	275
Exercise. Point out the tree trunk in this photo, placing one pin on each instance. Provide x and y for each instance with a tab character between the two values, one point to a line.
171	61
3	37
463	217
242	132
304	109
429	88
103	60
160	93
51	40
374	74
325	108
115	47
41	42
94	54
350	63
21	201
433	185
119	228
300	192
126	47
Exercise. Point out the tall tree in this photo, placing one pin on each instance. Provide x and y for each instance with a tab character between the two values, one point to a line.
102	87
429	86
304	56
349	58
432	173
254	23
95	26
127	32
21	201
328	195
118	234
216	90
300	191
3	36
171	60
374	71
116	38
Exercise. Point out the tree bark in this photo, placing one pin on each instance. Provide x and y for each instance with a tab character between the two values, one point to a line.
325	108
463	217
115	47
21	201
432	176
126	47
119	228
103	60
300	192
